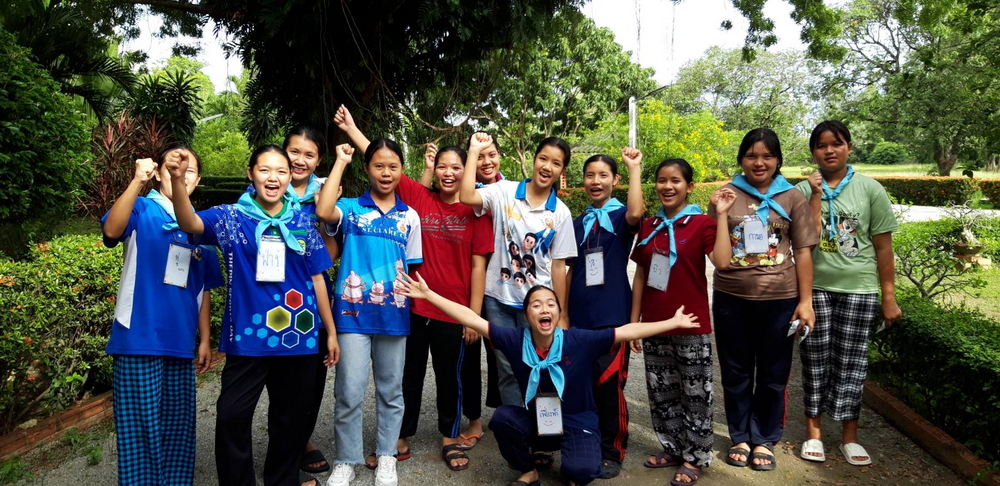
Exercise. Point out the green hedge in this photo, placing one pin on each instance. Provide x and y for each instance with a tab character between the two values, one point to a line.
212	181
944	362
55	310
991	190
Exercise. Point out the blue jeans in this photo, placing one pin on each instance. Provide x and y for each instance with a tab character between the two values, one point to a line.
386	355
504	315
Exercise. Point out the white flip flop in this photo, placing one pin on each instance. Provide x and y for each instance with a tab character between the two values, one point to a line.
813	446
855	449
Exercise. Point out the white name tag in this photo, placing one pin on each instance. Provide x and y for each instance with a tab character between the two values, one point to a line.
594	260
548	410
659	272
271	259
754	236
178	266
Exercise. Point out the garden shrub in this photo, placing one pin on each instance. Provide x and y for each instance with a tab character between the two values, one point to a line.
991	191
925	257
929	191
944	362
888	153
43	147
55	312
211	181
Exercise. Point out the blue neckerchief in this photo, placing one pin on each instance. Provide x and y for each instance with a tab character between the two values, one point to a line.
830	195
551	363
600	215
522	193
668	223
293	197
778	186
249	207
500	177
167	206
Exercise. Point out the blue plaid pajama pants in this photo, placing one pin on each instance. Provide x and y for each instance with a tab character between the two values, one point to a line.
154	409
835	354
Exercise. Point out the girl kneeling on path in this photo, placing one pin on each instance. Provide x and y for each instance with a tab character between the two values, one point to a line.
275	261
853	261
554	365
163	299
760	295
670	272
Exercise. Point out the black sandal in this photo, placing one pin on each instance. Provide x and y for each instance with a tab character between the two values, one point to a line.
542	460
760	455
451	452
313	457
737	451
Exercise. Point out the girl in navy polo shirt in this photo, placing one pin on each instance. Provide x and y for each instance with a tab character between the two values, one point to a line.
153	345
669	274
381	237
567	358
275	260
599	293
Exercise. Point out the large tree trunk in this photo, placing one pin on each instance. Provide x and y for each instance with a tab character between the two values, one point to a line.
945	157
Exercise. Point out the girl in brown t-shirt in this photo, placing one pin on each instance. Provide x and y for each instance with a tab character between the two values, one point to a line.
767	285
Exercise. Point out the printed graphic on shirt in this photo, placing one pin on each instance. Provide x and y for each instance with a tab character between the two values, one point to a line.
845	238
771	257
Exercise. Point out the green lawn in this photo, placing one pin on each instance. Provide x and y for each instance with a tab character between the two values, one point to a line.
893	170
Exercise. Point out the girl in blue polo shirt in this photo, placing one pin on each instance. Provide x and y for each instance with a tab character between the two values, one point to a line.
548	360
275	260
162	301
381	238
599	292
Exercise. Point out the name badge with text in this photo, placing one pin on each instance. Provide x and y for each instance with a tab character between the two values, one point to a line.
548	410
271	259
594	259
178	266
754	236
659	272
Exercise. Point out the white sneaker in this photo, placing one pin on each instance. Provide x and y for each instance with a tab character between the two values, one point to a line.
342	475
385	474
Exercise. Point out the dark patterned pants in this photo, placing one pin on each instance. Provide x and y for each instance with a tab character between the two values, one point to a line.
679	383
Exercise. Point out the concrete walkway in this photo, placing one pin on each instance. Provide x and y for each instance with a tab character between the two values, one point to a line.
897	460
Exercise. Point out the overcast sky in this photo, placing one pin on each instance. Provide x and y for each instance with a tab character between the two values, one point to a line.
660	34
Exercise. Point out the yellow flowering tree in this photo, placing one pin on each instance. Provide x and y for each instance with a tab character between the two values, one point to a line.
663	133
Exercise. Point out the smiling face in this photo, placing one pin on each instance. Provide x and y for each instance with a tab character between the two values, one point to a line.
448	171
384	170
304	155
191	177
488	165
270	176
599	180
542	311
759	165
549	164
672	188
831	152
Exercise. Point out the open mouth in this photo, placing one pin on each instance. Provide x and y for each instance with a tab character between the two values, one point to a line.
544	177
447	182
487	170
272	190
385	186
545	323
759	173
596	192
667	196
298	170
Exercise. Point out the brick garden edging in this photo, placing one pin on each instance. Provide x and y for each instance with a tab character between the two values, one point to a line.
928	436
81	416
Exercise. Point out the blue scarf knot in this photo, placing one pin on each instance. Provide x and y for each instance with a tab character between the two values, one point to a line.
778	186
600	216
249	207
167	206
831	194
668	223
297	201
551	363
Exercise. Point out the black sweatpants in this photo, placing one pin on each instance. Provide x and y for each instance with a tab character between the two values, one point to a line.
610	375
448	349
289	381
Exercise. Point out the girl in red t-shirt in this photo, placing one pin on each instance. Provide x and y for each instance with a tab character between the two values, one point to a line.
670	273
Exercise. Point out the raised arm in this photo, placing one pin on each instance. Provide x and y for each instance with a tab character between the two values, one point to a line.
326	206
345	122
418	289
427	178
635	205
560	284
176	163
722	200
468	194
642	330
121	211
816	200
